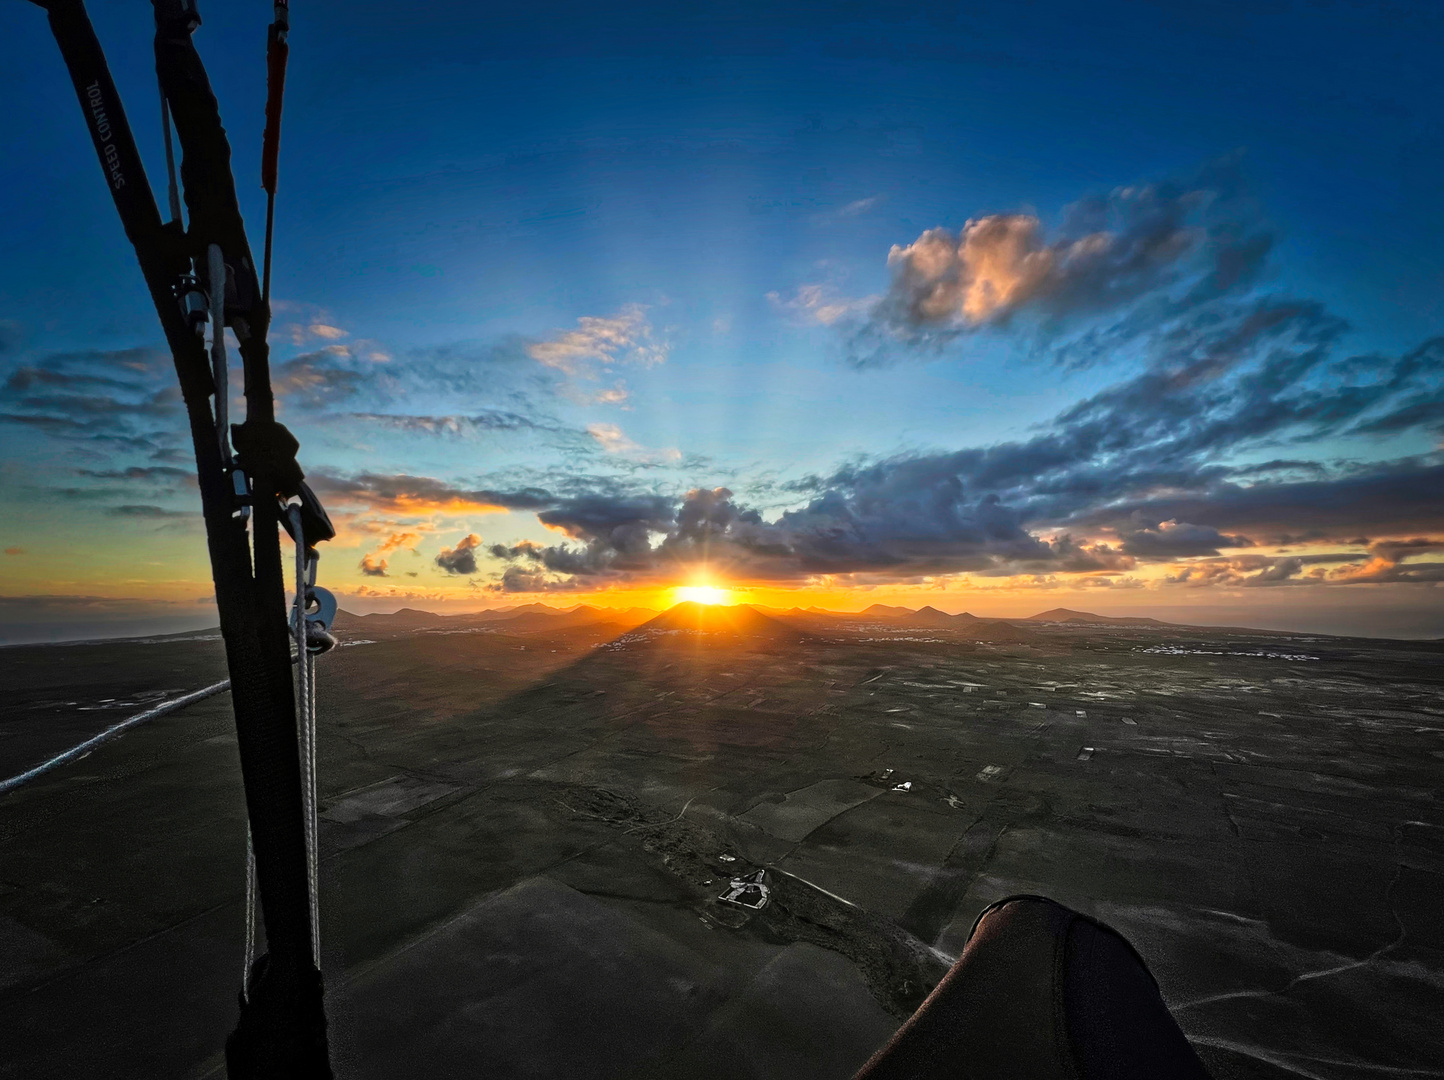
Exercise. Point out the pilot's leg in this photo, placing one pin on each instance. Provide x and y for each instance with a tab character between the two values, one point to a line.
1040	992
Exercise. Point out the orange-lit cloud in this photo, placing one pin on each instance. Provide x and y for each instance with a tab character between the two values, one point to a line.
460	559
375	593
373	566
399	540
1386	564
311	323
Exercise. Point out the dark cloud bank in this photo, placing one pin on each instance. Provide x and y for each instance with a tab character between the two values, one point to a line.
1224	436
101	401
1213	444
1135	469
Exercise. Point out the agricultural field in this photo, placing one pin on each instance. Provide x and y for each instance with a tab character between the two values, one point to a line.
530	825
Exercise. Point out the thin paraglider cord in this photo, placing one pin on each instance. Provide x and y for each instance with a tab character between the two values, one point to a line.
174	188
306	699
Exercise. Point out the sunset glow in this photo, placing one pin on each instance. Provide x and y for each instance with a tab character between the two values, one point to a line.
999	374
702	594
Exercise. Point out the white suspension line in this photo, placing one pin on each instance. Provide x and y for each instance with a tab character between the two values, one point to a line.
76	752
306	700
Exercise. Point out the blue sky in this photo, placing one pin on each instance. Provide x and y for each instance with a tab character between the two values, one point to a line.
619	255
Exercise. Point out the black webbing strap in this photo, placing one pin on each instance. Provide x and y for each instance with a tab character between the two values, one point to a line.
278	50
282	1031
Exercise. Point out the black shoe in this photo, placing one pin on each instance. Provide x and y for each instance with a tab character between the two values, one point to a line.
1040	993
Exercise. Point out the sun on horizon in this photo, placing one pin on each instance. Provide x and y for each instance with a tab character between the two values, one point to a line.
702	594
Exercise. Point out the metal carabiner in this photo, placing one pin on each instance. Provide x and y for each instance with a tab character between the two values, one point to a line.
319	638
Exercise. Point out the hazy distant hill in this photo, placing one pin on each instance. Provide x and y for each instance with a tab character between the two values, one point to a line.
584	615
526	618
968	626
996	630
514	612
392	622
1068	615
931	616
885	611
742	621
965	625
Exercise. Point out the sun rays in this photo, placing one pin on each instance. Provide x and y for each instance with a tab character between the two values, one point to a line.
702	594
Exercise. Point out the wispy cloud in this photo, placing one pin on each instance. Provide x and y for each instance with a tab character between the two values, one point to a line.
160	475
823	304
854	209
375	563
403	493
148	512
320	379
106	400
372	592
611	438
612	395
859	206
307	323
457	425
598	345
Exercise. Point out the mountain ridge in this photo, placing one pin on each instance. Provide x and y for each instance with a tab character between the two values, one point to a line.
537	616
